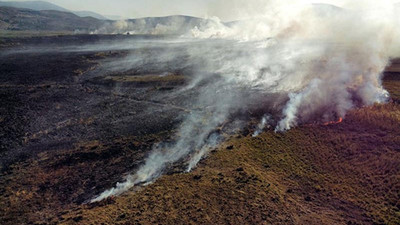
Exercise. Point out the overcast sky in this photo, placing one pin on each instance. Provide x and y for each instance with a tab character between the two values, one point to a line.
224	9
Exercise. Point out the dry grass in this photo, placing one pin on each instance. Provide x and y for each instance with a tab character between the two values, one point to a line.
347	173
392	84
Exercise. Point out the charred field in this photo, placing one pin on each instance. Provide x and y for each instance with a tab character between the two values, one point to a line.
68	133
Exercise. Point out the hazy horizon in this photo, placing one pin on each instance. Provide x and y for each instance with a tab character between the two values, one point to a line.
150	8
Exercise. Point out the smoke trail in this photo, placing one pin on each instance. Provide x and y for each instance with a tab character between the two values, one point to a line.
298	64
261	126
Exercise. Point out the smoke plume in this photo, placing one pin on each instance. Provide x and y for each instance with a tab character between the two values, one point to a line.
262	125
298	64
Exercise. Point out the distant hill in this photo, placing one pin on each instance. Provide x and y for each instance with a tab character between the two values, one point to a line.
45	20
34	5
44	16
170	24
42	5
50	20
177	24
115	17
89	13
63	20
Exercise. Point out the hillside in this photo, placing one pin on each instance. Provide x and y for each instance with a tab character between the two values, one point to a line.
89	13
19	19
34	5
175	25
42	5
50	20
344	173
66	136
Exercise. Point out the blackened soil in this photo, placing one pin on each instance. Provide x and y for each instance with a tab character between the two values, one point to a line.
75	135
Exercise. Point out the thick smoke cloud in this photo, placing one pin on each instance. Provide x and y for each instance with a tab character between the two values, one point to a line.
294	64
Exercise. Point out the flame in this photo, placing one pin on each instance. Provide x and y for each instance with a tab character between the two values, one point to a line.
334	122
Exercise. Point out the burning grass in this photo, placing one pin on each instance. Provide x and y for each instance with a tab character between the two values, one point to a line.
338	174
344	173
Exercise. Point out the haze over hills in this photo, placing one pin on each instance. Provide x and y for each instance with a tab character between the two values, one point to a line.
92	14
34	5
22	19
42	5
169	25
285	115
45	20
44	16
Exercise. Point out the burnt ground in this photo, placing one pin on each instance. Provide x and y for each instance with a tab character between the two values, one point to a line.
68	133
96	129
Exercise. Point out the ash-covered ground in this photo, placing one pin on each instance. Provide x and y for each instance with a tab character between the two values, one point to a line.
77	116
51	100
57	100
78	110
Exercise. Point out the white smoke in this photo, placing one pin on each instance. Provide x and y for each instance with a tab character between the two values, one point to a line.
262	125
309	62
169	25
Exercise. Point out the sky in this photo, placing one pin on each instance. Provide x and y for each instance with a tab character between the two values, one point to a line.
224	9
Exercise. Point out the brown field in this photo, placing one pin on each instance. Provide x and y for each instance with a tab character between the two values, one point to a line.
337	174
347	173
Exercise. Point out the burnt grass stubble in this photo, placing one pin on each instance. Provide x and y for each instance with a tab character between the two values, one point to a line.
66	133
78	131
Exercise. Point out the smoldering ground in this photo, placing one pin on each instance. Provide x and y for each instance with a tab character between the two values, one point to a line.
311	63
297	64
